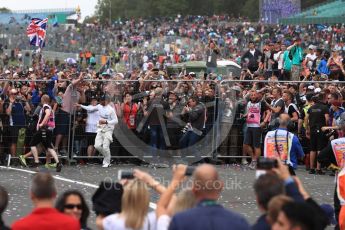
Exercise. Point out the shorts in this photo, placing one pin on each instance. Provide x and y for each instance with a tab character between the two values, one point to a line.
14	133
318	140
253	137
62	122
91	138
42	136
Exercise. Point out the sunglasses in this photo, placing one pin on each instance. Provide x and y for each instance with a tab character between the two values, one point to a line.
72	206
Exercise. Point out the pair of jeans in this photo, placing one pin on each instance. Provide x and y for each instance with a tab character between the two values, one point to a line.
156	140
189	138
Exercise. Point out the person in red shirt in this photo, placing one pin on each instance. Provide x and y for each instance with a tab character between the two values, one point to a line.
129	111
45	216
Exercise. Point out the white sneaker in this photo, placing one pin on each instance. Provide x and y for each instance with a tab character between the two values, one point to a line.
244	161
105	165
252	165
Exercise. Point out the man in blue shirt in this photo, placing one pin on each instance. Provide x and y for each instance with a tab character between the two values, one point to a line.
208	214
283	144
16	109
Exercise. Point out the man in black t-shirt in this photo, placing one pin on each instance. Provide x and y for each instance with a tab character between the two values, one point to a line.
317	117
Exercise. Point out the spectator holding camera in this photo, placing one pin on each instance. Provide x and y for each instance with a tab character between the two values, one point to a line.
134	213
16	109
208	214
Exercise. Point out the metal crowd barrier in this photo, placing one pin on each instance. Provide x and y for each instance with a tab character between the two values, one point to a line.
135	143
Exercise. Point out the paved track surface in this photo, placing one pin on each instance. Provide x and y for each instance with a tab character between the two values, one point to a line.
238	194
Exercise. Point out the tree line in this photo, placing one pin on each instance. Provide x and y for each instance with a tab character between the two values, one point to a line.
115	9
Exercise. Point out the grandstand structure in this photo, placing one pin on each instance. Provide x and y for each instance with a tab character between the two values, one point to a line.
273	10
60	16
330	12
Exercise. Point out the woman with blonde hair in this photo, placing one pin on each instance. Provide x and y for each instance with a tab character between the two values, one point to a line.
134	214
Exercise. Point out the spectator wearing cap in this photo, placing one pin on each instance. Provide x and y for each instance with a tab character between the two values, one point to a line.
15	109
296	56
251	58
105	127
208	214
310	57
45	216
3	205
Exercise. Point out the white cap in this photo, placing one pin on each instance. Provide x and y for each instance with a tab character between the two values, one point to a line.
121	75
31	69
311	87
7	72
317	90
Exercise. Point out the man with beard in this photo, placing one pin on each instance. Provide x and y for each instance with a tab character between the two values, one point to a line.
255	120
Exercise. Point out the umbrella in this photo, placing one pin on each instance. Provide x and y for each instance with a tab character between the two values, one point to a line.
70	61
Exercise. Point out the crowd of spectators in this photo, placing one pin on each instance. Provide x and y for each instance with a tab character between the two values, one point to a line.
191	103
282	199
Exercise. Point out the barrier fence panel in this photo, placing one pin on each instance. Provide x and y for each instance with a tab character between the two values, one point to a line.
159	121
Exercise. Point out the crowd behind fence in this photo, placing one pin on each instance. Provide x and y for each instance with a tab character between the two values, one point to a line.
155	116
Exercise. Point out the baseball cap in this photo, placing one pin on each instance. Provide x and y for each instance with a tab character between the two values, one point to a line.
317	90
7	72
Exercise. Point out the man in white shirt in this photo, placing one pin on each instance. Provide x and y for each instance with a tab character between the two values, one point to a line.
310	57
106	125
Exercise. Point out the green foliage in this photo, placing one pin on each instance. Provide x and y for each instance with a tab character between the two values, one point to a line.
4	10
152	8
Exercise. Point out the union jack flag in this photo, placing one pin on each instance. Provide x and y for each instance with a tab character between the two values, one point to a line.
36	31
